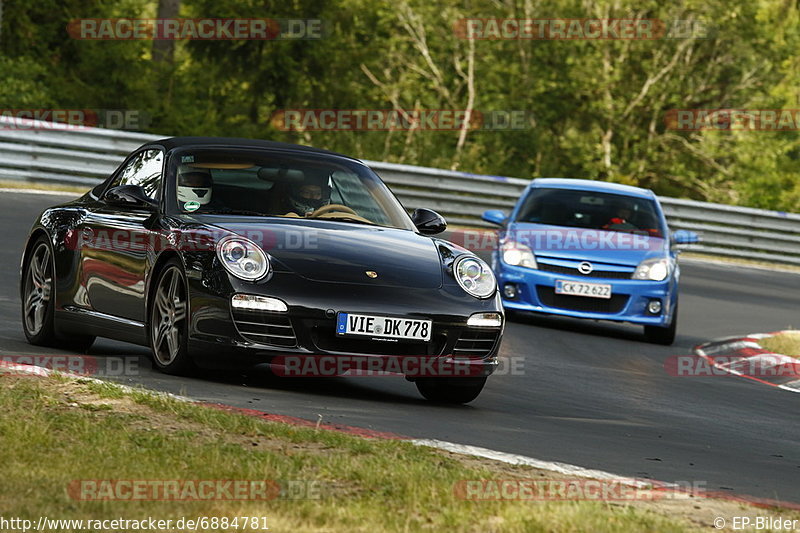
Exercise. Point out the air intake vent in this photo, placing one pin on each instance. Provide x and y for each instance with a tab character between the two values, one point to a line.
475	343
613	305
607	274
265	328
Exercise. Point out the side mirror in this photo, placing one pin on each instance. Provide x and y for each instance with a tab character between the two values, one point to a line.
129	196
683	236
495	216
428	222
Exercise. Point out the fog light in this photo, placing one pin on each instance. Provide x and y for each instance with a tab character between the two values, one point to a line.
654	307
258	303
510	291
486	320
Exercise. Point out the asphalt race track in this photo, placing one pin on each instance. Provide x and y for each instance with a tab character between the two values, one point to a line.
591	394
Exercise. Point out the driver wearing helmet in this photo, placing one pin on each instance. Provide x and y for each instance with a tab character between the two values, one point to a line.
306	197
194	188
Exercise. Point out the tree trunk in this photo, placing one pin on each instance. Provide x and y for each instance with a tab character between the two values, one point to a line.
164	50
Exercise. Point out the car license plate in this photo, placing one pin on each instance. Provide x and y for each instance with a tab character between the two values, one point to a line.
579	288
386	327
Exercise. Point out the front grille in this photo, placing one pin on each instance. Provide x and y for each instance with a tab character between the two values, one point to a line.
607	274
323	334
613	305
265	328
475	343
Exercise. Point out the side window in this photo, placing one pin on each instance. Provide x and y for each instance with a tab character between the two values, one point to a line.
143	170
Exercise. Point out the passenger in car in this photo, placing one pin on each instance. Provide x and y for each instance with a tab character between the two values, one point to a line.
195	189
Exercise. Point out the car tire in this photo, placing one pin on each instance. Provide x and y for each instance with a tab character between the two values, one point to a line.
450	390
37	295
663	335
36	291
169	319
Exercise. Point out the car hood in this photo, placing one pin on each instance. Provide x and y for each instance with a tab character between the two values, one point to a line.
342	252
581	244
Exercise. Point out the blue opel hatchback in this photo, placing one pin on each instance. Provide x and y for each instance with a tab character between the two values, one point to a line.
590	249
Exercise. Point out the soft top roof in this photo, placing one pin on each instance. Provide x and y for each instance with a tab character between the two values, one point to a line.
180	142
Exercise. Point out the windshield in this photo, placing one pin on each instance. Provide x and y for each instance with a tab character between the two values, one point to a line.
282	184
591	210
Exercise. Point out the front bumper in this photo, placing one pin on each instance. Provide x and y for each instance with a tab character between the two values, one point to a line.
628	302
221	336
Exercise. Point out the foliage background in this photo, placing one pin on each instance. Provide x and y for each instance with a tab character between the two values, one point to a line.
597	107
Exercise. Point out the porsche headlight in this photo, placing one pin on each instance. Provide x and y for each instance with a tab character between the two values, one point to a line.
517	254
474	276
656	269
243	258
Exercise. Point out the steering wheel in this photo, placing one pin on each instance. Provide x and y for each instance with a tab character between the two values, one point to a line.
332	207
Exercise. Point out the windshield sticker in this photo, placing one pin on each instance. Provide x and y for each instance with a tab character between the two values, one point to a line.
187	159
191	206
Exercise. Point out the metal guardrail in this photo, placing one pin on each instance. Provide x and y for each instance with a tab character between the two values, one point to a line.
55	153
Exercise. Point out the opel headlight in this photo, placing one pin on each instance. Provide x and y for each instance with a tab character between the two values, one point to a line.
243	258
474	276
656	269
517	254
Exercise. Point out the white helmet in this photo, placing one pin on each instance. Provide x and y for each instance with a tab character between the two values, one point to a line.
194	185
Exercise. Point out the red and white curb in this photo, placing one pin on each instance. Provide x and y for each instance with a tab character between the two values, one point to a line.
461	449
741	356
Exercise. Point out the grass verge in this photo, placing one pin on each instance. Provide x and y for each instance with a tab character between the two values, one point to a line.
787	343
56	430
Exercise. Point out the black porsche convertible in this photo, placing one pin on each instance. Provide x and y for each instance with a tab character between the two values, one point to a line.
219	252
